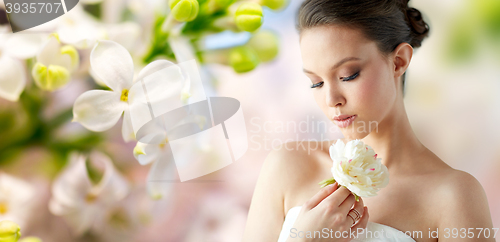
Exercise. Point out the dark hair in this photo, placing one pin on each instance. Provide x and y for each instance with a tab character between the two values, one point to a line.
387	22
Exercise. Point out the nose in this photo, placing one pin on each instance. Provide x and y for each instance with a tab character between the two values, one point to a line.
335	98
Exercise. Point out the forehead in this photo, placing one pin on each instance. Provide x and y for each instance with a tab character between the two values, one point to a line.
324	45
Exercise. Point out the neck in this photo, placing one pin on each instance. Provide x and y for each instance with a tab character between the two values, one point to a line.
394	141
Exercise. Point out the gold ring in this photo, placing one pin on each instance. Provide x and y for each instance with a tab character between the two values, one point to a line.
353	220
358	215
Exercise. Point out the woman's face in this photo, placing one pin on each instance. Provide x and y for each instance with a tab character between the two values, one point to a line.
351	77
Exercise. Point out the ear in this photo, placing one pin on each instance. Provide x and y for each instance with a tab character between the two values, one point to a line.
401	59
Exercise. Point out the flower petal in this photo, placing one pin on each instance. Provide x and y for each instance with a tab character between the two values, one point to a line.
20	197
112	64
82	36
12	79
147	153
71	187
50	52
23	46
127	129
113	186
98	110
126	33
153	67
162	175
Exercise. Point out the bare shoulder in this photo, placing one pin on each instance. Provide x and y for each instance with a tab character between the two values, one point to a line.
452	186
297	161
298	167
456	183
463	200
284	170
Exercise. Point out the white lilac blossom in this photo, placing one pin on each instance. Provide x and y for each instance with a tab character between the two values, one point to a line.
85	205
356	166
13	49
163	170
99	110
54	64
82	30
16	199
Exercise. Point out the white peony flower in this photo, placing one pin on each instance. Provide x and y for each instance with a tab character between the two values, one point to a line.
99	110
356	166
83	204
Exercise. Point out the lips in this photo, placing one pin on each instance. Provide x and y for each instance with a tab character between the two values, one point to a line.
343	121
342	117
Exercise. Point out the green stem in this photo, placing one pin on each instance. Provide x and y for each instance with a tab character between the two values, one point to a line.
327	182
168	24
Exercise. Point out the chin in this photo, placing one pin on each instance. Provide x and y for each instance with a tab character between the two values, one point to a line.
350	135
358	130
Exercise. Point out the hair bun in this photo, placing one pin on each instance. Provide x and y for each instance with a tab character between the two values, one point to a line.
419	28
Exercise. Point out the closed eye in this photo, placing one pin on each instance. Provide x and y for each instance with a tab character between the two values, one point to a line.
317	85
350	77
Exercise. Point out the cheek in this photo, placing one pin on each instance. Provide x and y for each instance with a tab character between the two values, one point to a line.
375	94
320	98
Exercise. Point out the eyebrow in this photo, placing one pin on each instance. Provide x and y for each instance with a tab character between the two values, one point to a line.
336	65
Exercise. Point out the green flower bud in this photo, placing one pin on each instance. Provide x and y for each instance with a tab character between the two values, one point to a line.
31	239
274	4
243	59
248	16
265	43
9	231
184	10
51	78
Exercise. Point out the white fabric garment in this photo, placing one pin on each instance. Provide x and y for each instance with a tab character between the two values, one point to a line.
374	232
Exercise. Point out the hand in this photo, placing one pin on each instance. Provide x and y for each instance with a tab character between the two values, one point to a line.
327	212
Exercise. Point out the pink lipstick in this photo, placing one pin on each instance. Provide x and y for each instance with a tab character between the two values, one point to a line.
343	121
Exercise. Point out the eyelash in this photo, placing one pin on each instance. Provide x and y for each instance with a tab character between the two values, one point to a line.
345	79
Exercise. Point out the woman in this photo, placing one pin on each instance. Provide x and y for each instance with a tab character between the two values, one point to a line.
356	53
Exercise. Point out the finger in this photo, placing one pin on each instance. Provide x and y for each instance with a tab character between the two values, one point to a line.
362	223
347	204
360	204
318	197
337	197
359	207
